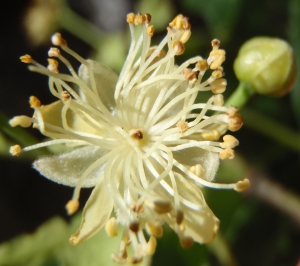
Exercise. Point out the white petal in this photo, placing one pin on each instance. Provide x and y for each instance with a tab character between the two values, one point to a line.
208	160
95	213
67	168
105	79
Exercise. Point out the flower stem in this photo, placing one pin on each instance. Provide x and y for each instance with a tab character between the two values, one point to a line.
240	96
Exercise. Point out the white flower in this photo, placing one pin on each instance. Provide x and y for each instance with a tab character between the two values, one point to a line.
140	138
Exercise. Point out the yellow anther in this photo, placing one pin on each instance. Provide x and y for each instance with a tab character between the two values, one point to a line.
73	240
197	170
117	258
130	18
183	126
138	208
211	135
217	74
154	228
186	242
65	95
190	75
185	36
58	40
72	206
52	65
54	52
178	47
22	120
242	185
229	142
218	99
151	245
150	30
111	227
218	57
27	59
218	86
34	102
227	153
202	65
162	206
15	150
180	23
139	19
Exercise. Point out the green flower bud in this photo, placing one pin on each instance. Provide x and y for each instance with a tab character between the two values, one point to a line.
267	65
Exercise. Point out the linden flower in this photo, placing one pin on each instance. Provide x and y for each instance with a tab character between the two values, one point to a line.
140	138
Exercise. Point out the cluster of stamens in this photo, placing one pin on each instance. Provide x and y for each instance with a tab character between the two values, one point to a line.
153	119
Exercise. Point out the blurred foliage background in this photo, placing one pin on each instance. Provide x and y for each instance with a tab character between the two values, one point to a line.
258	227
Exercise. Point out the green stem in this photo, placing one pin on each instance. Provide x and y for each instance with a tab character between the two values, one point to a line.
81	28
271	128
240	96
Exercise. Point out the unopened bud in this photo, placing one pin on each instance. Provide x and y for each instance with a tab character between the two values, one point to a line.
267	64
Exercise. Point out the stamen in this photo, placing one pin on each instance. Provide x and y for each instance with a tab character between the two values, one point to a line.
58	40
15	150
34	102
22	120
198	170
72	206
178	47
242	185
111	227
154	228
151	245
54	52
227	153
229	142
27	59
186	242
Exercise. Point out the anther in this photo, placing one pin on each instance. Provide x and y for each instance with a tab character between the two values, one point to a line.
15	150
147	19
58	40
217	74
202	65
227	153
151	245
52	65
138	19
190	74
179	217
72	206
34	102
235	122
134	226
65	95
218	100
185	36
27	59
154	228
134	260
229	142
183	126
138	208
242	185
22	120
150	30
218	86
211	135
136	134
130	18
111	227
162	206
178	47
186	242
197	170
117	258
54	52
217	57
215	43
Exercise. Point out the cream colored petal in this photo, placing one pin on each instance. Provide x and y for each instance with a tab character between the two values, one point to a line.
208	160
51	114
201	225
95	213
67	168
105	79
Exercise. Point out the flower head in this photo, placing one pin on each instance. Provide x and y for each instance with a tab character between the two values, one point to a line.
139	138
